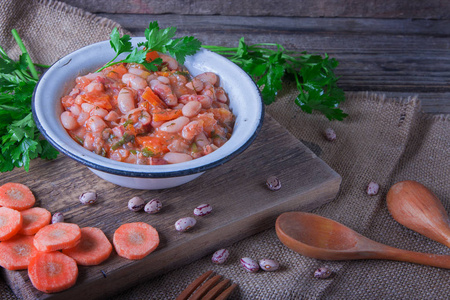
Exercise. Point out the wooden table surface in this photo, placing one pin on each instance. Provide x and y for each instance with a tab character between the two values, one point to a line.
401	47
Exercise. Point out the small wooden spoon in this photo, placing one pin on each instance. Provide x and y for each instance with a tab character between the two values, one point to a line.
416	207
318	237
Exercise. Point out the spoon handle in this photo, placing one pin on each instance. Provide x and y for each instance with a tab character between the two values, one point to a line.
428	259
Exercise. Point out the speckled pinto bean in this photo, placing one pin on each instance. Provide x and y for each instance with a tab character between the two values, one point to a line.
57	217
249	264
269	265
203	210
88	198
322	273
220	256
136	204
372	188
329	134
273	183
153	206
184	224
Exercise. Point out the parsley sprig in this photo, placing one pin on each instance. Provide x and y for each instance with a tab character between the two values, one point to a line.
20	137
269	63
157	39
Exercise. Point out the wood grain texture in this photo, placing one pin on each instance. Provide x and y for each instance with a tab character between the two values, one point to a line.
435	9
400	57
242	206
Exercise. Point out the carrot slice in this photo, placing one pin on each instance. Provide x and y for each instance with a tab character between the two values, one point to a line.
15	253
93	248
10	223
166	114
135	240
57	236
152	98
52	272
16	196
34	219
151	56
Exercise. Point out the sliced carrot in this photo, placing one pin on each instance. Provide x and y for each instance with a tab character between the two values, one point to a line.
52	272
10	223
166	114
34	219
15	253
116	71
151	56
93	248
135	240
97	99
57	236
154	144
153	99
16	196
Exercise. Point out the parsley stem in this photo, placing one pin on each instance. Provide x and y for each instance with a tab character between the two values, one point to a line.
24	51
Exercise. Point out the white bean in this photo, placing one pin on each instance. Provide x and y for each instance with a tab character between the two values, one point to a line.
191	109
175	125
175	157
209	77
87	107
75	109
125	100
98	111
134	81
69	121
138	72
201	140
163	79
94	86
111	116
170	61
95	124
89	142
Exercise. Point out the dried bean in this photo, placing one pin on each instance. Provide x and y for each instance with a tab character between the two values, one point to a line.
273	183
322	273
249	264
220	256
330	135
269	265
372	188
203	210
57	217
185	224
136	204
88	198
153	206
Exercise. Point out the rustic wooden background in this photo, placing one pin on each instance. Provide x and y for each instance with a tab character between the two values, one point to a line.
399	47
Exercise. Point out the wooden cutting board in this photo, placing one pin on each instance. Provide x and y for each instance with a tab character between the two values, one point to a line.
242	206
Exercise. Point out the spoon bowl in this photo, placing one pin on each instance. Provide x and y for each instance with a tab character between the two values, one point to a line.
322	238
414	206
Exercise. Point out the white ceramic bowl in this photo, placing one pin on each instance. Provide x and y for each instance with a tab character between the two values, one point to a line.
245	103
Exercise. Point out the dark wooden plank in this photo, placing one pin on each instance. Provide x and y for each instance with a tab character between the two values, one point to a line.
403	57
434	9
242	206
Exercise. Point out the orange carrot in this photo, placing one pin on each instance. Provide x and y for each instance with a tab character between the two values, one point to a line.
10	223
16	196
34	219
15	253
166	114
52	272
135	240
93	248
57	236
155	144
151	56
153	99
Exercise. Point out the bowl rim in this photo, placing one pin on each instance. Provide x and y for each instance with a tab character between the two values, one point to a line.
183	170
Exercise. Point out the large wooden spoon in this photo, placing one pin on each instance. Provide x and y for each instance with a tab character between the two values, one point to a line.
416	207
318	237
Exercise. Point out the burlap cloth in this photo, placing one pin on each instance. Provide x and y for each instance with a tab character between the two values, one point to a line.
382	140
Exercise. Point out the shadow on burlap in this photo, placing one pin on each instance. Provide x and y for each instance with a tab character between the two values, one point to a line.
382	140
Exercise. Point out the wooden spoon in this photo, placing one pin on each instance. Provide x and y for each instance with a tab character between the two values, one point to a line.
318	237
416	207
